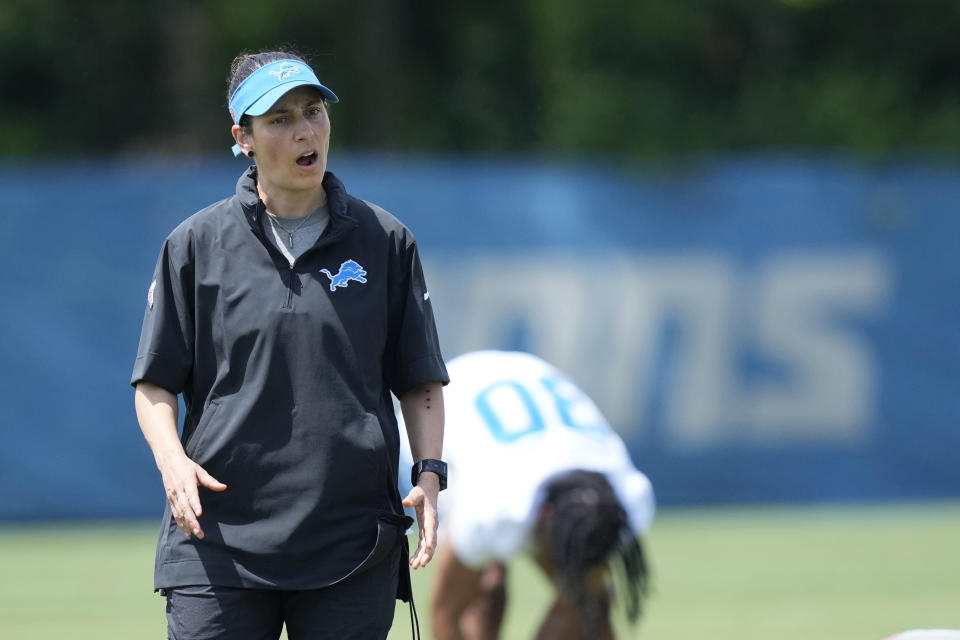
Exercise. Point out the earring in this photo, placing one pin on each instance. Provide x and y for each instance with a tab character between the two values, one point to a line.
250	154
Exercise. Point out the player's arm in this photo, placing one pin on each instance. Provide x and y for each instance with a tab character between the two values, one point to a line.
463	606
422	409
157	414
564	619
562	622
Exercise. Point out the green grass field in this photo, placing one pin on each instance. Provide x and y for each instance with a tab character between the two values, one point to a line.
821	572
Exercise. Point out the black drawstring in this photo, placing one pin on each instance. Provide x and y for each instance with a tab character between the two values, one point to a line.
405	584
414	620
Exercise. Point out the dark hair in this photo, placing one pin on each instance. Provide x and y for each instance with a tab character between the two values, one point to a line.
588	526
245	64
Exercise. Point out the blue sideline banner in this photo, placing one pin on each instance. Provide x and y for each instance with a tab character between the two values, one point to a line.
763	328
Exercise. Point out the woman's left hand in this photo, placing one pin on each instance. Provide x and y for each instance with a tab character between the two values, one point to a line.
423	498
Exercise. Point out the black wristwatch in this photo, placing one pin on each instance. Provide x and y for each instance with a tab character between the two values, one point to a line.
438	467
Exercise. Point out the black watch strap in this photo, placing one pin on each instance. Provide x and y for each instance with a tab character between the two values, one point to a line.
438	467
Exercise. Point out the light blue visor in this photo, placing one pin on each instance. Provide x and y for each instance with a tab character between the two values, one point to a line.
262	88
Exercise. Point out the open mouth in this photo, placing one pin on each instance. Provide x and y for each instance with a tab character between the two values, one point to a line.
308	159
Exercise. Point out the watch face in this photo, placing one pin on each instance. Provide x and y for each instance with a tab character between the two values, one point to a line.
438	467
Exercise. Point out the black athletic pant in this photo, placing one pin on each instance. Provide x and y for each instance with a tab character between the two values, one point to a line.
359	608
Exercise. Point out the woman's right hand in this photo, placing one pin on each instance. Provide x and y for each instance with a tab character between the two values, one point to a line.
181	478
157	414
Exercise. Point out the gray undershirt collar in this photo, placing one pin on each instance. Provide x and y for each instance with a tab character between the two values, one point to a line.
293	236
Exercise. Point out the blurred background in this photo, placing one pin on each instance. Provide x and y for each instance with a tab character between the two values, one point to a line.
735	223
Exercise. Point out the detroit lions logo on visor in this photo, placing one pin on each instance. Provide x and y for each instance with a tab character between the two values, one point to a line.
285	70
349	270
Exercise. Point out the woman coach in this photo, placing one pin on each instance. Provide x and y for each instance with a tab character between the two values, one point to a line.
286	315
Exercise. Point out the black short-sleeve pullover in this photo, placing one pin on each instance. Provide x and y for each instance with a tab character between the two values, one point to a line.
286	374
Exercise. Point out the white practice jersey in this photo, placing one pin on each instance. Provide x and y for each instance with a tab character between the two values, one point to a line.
513	422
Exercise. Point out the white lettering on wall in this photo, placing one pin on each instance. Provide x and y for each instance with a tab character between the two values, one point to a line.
800	315
806	313
695	293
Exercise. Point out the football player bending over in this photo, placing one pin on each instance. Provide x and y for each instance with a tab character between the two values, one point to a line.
534	468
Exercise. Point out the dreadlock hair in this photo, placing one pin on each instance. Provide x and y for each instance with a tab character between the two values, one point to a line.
589	527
